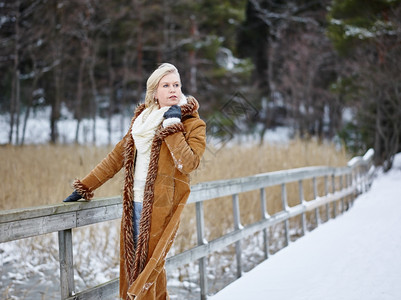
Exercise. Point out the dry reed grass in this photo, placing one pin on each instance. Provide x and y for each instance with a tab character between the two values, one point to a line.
39	175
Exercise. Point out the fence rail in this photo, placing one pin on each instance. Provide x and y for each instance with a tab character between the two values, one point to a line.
355	178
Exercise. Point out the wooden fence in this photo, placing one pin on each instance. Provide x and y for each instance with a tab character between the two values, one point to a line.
351	180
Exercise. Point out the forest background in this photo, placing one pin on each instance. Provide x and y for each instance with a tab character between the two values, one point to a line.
325	69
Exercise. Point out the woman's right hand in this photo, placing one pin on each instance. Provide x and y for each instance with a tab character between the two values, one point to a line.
173	112
75	196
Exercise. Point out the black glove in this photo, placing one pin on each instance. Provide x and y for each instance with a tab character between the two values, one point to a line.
173	112
75	196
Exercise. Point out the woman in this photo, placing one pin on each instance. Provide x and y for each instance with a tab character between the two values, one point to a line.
165	142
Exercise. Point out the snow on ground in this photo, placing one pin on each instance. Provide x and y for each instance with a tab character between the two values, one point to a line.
38	128
354	256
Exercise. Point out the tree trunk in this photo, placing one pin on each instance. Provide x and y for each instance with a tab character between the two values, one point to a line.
111	92
29	104
124	92
94	92
163	47
57	55
139	47
192	57
55	107
78	102
18	107
15	94
378	142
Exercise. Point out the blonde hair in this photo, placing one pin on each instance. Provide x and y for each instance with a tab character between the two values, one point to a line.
153	82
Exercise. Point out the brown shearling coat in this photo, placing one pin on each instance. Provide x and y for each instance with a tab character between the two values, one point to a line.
176	151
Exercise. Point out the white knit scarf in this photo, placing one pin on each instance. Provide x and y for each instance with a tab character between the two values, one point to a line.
143	132
144	127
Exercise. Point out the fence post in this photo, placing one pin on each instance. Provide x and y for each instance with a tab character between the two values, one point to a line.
315	195
326	192
348	197
285	208
352	183
237	226
355	181
200	229
365	178
265	215
302	201
66	263
333	188
365	181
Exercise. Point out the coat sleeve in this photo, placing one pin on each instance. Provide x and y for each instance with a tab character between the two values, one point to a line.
187	147
105	170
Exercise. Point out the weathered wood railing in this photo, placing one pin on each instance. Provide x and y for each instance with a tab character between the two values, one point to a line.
354	178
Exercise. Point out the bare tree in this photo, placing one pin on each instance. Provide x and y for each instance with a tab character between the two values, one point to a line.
92	78
15	94
58	48
111	80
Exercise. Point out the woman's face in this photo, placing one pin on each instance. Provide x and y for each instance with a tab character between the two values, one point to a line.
168	92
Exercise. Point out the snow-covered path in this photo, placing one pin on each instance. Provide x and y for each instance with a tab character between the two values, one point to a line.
355	256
